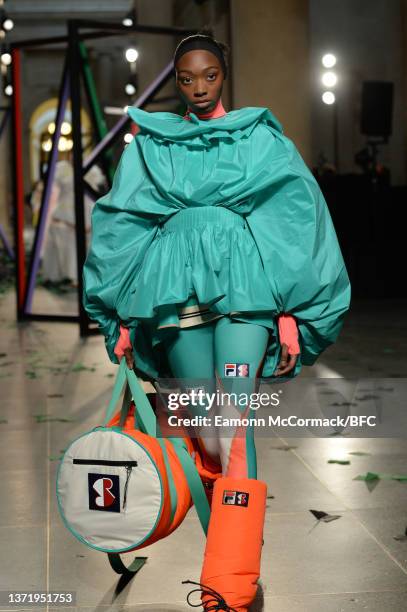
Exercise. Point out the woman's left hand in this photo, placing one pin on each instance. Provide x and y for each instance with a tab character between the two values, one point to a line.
287	361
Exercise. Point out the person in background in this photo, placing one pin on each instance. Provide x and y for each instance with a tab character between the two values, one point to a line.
59	246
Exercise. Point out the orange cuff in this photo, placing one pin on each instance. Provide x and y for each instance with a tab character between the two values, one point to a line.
288	332
123	342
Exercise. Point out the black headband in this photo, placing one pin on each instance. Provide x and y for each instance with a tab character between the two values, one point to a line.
193	44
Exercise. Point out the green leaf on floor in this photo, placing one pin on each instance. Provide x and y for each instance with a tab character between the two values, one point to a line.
284	448
3	421
358	453
79	367
51	368
109	375
3	355
339	461
55	457
52	395
31	374
381	476
367	477
46	418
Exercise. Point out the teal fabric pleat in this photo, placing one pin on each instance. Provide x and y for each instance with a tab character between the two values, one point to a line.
224	209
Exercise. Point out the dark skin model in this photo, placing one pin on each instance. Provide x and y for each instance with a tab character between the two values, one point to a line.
199	81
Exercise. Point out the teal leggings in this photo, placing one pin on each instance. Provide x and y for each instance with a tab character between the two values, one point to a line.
224	356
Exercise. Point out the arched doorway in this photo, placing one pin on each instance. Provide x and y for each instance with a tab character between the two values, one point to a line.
41	128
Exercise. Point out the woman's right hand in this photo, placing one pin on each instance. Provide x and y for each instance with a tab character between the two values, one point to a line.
290	348
123	347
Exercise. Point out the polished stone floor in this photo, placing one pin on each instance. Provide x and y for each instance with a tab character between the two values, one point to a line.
346	565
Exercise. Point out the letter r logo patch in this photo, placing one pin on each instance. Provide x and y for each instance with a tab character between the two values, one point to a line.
104	492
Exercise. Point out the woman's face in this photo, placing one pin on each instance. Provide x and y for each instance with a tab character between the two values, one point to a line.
199	80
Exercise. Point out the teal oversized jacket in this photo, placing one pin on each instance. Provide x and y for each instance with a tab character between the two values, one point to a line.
288	259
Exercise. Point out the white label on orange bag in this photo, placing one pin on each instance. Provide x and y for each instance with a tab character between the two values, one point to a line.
235	498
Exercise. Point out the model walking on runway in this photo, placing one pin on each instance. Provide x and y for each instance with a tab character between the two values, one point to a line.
214	257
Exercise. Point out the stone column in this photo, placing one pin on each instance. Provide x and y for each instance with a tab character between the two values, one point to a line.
270	63
155	50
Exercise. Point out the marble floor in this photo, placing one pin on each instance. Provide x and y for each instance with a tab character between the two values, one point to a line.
351	564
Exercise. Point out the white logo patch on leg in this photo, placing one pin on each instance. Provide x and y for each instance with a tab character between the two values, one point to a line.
230	369
237	369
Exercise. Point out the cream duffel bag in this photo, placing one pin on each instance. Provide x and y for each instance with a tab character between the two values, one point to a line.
121	486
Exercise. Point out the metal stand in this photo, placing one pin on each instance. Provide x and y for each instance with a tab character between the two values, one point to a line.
76	64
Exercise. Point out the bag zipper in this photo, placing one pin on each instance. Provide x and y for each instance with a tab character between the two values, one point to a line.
128	470
127	464
104	462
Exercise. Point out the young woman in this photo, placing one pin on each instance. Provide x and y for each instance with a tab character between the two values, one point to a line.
213	249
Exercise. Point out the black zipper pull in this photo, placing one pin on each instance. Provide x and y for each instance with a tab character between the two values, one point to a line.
128	470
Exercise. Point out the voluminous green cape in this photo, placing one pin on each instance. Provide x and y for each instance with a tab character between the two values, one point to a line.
287	260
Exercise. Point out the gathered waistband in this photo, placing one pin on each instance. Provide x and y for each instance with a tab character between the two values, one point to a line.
189	218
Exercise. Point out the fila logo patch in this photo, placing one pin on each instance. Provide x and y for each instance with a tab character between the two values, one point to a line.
104	492
236	369
235	498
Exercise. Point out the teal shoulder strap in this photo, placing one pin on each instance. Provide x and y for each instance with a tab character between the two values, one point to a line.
145	414
119	567
145	419
194	482
117	389
148	421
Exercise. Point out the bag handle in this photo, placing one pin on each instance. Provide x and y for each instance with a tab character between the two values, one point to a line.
117	389
145	414
147	419
194	482
144	417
